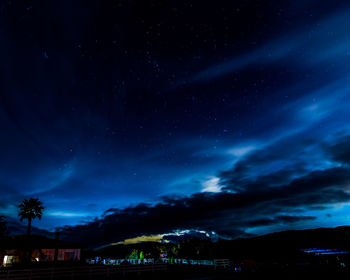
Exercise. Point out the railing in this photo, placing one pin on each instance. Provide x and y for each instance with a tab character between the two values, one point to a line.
224	263
90	272
111	261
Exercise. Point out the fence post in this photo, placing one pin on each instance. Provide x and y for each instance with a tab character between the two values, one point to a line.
51	273
138	271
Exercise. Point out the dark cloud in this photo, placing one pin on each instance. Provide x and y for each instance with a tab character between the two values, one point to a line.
226	213
274	164
341	150
278	219
278	198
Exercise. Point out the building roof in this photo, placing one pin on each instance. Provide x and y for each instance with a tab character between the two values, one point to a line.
34	242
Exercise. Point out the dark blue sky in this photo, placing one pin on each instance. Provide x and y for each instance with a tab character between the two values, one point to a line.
234	111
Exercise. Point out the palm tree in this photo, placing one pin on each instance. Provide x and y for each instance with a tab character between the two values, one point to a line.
30	209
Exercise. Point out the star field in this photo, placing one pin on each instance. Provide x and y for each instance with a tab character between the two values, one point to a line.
235	111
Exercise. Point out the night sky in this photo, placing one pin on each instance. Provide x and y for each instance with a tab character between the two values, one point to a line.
222	118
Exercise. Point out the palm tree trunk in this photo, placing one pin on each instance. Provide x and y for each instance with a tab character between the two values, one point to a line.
29	256
29	226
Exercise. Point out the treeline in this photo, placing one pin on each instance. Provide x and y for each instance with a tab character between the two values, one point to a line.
282	246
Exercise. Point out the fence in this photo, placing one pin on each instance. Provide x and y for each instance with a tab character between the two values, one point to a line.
82	272
224	263
110	261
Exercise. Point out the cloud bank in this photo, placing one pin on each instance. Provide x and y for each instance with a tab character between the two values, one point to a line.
282	197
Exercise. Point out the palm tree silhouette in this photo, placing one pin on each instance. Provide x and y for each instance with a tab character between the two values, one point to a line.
30	209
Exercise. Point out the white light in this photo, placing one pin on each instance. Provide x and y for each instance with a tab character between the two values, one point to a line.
241	151
212	185
5	259
66	214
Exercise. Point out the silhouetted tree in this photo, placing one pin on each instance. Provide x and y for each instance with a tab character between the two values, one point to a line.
30	209
134	254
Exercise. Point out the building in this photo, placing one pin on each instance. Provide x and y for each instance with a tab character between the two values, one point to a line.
18	248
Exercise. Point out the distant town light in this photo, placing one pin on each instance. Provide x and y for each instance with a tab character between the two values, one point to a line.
5	259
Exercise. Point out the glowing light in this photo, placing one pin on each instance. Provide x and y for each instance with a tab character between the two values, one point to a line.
241	151
318	252
161	238
143	238
212	185
66	214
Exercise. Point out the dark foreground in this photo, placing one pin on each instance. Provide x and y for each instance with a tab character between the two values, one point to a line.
172	272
